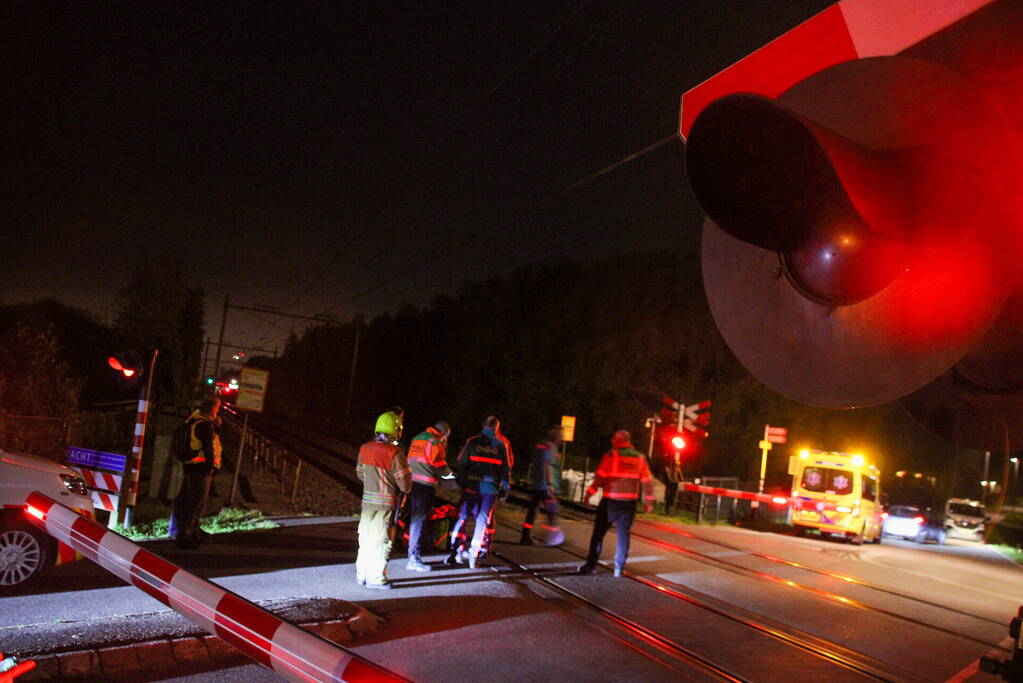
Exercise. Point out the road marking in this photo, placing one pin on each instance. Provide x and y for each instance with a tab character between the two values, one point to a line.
1011	598
973	667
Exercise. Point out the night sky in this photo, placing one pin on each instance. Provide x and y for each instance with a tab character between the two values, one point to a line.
344	157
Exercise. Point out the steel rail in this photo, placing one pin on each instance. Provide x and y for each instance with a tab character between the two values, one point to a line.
816	592
817	570
833	652
645	634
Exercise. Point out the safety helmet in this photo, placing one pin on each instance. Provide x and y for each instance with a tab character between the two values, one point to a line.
621	438
389	424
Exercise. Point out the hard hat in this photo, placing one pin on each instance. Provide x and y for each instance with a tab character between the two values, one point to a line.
390	424
621	438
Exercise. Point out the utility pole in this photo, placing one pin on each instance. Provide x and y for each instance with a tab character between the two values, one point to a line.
351	375
987	466
220	344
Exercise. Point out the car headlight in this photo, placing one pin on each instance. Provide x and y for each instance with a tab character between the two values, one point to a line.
75	484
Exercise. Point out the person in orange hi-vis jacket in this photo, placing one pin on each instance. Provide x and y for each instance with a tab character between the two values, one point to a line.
427	458
384	472
623	474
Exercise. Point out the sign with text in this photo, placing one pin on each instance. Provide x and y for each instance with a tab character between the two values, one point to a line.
567	427
252	389
84	457
775	434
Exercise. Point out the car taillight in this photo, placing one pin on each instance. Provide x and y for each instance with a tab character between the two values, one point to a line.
918	520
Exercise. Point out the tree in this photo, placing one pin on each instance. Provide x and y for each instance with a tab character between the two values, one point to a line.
158	310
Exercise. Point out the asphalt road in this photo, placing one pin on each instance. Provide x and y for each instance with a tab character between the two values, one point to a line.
927	611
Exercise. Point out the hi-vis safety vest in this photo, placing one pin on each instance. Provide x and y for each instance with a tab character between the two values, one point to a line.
622	473
195	443
384	474
427	458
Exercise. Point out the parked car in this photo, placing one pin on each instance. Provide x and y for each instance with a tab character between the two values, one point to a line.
965	519
25	550
914	524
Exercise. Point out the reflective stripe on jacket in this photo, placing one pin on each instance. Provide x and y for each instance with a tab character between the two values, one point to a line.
622	473
204	441
484	465
427	457
384	474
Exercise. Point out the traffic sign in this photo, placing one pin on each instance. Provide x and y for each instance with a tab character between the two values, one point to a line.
848	30
85	457
775	434
691	411
252	389
692	426
567	428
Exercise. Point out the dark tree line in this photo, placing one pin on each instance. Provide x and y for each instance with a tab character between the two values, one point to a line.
571	339
53	357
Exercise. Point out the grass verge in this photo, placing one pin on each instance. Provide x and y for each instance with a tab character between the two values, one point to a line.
224	522
1010	551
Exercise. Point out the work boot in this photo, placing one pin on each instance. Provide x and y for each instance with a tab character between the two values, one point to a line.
587	569
556	537
474	559
452	559
526	540
618	572
385	586
416	565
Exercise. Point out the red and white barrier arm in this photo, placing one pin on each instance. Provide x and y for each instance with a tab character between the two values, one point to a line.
734	493
292	652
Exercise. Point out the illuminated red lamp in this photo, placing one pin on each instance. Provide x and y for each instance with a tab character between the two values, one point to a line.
116	365
779	500
918	520
678	442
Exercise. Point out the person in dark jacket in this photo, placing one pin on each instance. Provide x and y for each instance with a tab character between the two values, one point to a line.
545	481
484	470
623	474
199	472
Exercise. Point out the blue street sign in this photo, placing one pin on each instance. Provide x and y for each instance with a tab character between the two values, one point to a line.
89	458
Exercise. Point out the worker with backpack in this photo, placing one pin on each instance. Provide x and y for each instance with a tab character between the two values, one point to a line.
197	446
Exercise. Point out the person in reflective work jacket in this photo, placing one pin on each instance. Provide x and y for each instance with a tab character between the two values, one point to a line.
199	472
384	473
484	467
623	474
545	480
427	458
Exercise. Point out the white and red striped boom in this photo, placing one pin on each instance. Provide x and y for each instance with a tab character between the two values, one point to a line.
292	652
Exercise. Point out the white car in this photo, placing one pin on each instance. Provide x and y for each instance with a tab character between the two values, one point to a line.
903	520
26	550
965	519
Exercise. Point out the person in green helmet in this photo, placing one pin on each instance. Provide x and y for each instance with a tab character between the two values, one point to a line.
384	472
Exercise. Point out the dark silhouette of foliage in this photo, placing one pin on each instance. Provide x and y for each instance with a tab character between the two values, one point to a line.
158	310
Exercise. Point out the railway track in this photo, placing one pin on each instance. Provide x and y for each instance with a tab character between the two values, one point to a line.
827	595
326	454
845	578
832	653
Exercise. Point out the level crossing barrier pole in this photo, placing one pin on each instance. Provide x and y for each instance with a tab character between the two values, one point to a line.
238	463
282	647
